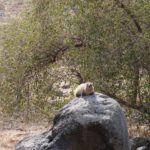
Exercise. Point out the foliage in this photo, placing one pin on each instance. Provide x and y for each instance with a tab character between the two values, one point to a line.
106	42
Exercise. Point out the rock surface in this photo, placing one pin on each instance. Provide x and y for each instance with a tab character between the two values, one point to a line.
140	143
94	122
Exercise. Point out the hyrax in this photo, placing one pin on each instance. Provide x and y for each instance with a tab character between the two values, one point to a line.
84	89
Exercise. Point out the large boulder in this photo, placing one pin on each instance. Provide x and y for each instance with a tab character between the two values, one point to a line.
94	122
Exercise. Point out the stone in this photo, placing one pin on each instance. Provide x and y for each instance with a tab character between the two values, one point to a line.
140	143
94	122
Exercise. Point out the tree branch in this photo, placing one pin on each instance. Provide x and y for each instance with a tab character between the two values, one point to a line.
50	56
125	103
130	14
78	75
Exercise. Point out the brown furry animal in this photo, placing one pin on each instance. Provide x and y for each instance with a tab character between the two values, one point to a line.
84	89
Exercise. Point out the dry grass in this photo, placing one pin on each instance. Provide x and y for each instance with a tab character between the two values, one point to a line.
139	131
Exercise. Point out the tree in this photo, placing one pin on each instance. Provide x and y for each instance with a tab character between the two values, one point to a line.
106	42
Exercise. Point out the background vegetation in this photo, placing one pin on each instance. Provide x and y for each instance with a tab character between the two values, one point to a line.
54	41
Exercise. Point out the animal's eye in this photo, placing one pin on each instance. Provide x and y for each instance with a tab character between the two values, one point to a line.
89	85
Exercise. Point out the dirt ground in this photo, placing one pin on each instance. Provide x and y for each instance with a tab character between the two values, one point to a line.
9	137
13	130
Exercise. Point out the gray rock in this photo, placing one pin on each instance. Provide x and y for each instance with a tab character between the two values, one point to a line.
94	122
141	148
140	143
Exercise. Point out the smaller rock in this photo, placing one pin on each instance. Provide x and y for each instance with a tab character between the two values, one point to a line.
142	148
140	143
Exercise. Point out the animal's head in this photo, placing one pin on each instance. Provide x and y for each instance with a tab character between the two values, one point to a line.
89	87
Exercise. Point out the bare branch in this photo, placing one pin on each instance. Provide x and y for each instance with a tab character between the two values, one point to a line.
78	75
140	108
131	15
